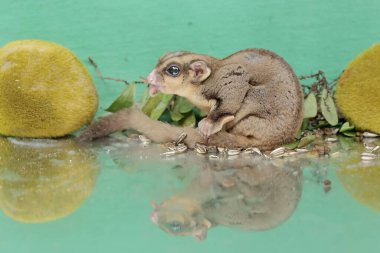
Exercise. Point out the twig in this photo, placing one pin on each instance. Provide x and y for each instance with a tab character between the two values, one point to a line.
95	65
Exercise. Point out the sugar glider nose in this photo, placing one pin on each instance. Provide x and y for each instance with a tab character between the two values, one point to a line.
152	77
154	217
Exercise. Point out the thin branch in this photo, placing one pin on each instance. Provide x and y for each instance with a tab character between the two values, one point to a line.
95	65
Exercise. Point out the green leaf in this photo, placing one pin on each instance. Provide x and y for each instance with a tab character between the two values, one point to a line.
310	106
299	134
161	107
152	103
125	100
306	141
346	127
189	120
328	108
176	116
349	133
292	145
184	105
305	124
145	96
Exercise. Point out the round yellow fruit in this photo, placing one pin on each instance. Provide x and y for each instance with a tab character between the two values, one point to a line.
358	90
45	91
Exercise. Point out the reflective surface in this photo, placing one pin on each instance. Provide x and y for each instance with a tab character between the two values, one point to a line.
121	195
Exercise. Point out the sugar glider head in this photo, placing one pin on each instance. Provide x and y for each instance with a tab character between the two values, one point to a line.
181	217
179	73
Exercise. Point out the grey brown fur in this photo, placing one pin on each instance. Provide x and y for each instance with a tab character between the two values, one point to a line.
252	98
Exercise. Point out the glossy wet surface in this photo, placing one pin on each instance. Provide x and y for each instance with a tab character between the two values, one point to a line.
58	196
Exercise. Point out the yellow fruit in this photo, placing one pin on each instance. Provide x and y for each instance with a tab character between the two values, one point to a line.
358	90
362	182
43	180
45	91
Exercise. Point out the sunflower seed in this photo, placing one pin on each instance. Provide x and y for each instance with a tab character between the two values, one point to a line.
181	137
267	157
252	151
331	139
371	148
368	154
367	158
200	149
228	182
221	149
370	135
302	150
232	152
171	148
181	148
144	140
169	153
277	152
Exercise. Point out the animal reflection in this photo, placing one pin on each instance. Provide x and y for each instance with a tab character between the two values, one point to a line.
249	195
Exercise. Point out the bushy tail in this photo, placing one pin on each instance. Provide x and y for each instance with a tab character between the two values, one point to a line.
133	118
157	131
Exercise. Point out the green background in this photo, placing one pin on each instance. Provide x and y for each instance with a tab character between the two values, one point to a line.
126	37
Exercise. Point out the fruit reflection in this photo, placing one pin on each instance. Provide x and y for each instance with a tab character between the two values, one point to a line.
44	180
362	182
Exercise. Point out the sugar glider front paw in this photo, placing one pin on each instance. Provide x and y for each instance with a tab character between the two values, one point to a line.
208	127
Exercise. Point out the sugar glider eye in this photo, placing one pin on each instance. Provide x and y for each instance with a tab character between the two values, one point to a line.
175	226
173	70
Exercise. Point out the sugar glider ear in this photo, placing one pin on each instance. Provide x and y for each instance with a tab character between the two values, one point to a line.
200	234
199	71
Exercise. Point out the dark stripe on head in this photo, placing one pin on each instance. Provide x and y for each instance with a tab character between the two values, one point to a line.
169	55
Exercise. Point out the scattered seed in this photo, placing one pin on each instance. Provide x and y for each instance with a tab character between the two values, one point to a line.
331	139
252	151
369	154
370	135
228	182
302	150
169	153
172	148
232	152
213	157
267	157
277	152
200	149
181	137
368	158
181	148
144	139
221	149
369	147
372	149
